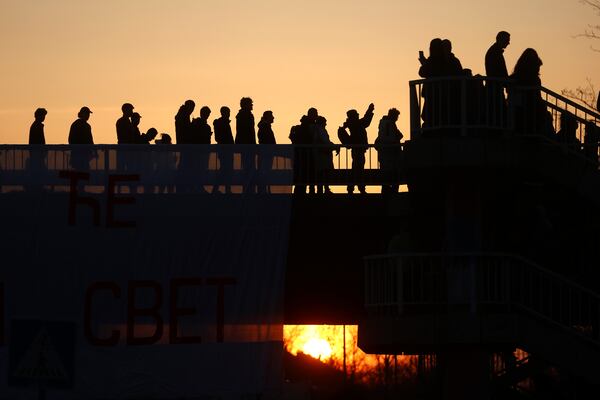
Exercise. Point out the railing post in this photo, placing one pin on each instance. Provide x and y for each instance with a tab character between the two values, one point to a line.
400	284
463	107
415	112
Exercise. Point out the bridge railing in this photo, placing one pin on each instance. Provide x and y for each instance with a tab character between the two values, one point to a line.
171	166
399	284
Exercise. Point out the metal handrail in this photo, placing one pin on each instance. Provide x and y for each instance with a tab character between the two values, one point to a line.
308	163
396	282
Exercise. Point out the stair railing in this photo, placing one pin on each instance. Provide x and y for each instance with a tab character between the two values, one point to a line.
398	284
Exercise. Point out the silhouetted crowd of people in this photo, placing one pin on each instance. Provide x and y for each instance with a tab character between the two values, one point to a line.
313	153
314	148
522	108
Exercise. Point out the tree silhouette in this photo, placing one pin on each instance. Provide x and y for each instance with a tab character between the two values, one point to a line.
593	30
587	93
583	94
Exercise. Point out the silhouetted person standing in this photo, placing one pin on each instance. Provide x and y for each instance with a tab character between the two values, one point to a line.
183	122
37	155
245	134
495	67
224	137
567	134
452	65
183	134
223	134
165	163
201	131
244	129
265	136
265	131
125	135
201	134
323	155
433	67
124	126
81	133
303	136
359	141
36	131
531	113
389	150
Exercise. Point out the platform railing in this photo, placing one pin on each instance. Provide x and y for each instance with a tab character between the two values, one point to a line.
398	284
465	106
165	165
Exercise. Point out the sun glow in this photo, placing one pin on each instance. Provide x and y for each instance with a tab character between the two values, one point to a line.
317	348
326	344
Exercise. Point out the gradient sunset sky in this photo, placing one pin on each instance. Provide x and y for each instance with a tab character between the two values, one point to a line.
287	55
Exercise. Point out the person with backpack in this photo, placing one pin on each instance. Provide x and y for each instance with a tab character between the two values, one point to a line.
357	140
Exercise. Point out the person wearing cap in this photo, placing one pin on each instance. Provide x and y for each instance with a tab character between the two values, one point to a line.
81	133
36	131
137	136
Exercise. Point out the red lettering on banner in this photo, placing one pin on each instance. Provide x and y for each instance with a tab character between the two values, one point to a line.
74	198
176	312
123	200
133	312
153	311
113	340
2	316
220	283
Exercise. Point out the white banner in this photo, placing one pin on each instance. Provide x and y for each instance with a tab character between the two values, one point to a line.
181	298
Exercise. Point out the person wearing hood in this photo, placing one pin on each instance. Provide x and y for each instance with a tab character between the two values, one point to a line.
388	149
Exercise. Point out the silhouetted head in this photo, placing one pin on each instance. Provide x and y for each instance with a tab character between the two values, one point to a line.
268	117
446	47
189	106
352	115
225	112
127	109
528	65
151	134
84	113
246	103
312	113
165	138
503	39
204	112
393	114
135	118
568	122
321	121
435	48
40	114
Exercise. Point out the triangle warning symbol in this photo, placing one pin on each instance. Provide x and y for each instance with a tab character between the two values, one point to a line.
41	361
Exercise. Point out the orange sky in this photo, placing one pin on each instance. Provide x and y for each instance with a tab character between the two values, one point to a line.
287	55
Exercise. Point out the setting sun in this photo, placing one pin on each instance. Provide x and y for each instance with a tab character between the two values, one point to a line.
317	348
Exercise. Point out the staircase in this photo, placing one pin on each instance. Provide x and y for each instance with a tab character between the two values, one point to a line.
490	299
